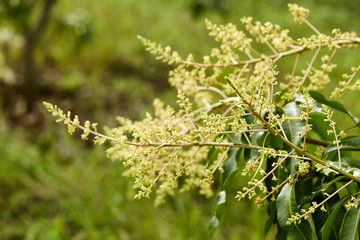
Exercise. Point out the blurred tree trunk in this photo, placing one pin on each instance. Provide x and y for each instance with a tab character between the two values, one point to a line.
30	77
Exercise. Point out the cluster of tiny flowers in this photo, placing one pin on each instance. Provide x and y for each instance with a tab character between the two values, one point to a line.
297	217
225	101
324	169
251	191
304	167
346	83
299	13
269	33
353	202
344	36
332	124
230	37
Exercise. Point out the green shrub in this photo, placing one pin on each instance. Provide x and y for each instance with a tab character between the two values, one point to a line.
242	110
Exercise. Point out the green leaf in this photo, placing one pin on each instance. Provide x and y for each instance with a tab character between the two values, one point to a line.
317	96
211	156
293	128
218	210
355	126
280	174
281	234
213	225
320	126
349	227
271	210
351	162
305	190
327	230
286	207
230	168
350	143
323	187
257	140
273	142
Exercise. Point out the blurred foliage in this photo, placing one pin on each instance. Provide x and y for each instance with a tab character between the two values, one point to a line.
87	59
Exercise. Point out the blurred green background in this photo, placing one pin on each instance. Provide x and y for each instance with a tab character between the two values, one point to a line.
85	57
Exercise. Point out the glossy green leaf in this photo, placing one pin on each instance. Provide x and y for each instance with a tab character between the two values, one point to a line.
351	143
211	156
218	210
328	229
281	234
351	162
280	174
355	126
230	168
213	225
271	210
293	128
321	188
274	142
286	207
328	184
305	191
317	96
320	126
349	227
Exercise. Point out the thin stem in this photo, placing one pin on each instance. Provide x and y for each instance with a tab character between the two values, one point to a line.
192	122
268	44
269	173
294	156
212	89
221	160
308	69
318	160
274	56
317	142
199	144
311	26
337	144
247	139
173	145
306	122
351	78
187	163
161	145
330	60
326	199
227	111
275	189
295	65
163	169
243	70
229	137
281	128
249	130
236	116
